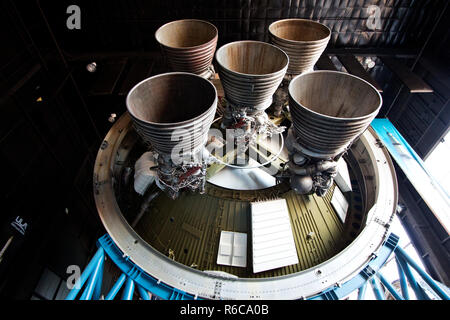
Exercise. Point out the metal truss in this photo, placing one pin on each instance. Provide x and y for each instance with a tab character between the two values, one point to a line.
135	279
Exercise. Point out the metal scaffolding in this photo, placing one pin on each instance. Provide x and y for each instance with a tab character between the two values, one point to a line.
134	278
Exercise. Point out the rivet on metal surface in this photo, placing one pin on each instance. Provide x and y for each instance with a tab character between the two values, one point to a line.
217	289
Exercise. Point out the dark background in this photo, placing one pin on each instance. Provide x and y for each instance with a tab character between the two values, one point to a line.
54	114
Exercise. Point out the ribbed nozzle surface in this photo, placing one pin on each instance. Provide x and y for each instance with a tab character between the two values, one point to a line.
330	110
250	72
189	45
303	41
172	106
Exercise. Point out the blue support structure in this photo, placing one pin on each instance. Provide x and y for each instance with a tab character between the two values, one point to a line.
87	293
95	280
420	294
128	291
134	277
99	282
402	278
143	293
378	261
421	179
99	255
436	288
362	291
116	287
140	277
389	287
376	288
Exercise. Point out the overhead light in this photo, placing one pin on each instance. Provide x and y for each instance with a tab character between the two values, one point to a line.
91	67
369	62
112	117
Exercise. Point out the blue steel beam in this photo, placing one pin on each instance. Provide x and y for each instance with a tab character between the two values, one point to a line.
143	293
376	288
116	287
389	287
93	279
420	294
85	292
147	283
362	291
142	278
430	281
99	282
85	275
128	291
403	282
343	290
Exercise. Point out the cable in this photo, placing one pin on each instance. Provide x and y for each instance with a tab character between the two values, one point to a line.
254	167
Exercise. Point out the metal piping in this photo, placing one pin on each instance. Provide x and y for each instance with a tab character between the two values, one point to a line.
313	168
144	207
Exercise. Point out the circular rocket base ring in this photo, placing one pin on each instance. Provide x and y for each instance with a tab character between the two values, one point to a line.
307	283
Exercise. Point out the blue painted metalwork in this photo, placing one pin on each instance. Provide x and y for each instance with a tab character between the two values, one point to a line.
378	261
116	287
85	275
376	288
132	271
177	295
164	291
133	276
392	241
93	279
403	283
389	287
86	289
414	168
330	295
128	291
420	294
436	288
143	293
391	137
362	291
99	282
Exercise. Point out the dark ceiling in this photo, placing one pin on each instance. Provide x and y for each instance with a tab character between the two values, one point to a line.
130	25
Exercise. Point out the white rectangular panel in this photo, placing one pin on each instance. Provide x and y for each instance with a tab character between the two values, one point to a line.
339	204
273	243
232	249
343	177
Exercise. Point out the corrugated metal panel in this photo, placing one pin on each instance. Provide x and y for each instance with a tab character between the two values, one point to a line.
169	224
272	240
